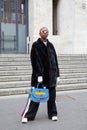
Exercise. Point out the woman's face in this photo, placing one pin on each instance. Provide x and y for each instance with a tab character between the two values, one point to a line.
44	32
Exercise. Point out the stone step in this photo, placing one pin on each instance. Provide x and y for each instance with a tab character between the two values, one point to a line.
63	73
14	91
72	55
15	84
29	71
73	75
23	67
73	80
15	78
21	83
61	63
17	59
73	70
25	90
72	62
68	87
61	58
14	55
15	72
21	63
11	59
6	68
69	58
73	66
28	76
27	62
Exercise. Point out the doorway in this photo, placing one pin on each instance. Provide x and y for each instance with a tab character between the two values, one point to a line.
13	26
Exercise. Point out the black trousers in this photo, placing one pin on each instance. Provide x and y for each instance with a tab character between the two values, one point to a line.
51	106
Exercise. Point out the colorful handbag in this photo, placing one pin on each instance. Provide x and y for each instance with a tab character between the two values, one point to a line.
40	94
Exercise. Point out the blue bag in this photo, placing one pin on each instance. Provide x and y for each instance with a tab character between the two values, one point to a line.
40	94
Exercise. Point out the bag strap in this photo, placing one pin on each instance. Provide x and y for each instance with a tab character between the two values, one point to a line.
39	84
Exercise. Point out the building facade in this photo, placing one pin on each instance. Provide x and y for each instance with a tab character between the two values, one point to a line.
20	21
66	20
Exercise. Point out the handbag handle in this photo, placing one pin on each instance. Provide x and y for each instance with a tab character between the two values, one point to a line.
39	84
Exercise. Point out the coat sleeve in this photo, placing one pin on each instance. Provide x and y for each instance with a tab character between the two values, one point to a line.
58	73
36	61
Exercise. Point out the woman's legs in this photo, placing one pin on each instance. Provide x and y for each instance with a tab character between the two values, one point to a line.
51	105
32	111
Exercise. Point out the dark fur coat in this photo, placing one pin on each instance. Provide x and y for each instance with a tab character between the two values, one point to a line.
44	63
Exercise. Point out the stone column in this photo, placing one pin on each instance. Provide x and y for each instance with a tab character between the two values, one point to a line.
40	14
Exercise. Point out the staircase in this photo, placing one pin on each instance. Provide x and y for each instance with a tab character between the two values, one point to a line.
15	73
73	72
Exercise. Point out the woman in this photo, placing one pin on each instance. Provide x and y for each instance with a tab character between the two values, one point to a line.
44	70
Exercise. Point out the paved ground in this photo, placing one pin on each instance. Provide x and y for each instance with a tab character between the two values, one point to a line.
72	109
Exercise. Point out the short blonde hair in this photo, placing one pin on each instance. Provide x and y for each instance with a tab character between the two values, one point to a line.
43	28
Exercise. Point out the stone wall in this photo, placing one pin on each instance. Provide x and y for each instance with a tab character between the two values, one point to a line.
71	25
